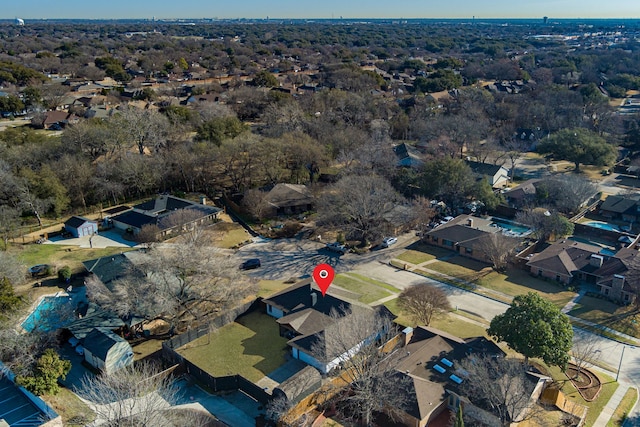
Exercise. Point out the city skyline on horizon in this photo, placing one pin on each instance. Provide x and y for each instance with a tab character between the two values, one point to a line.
289	9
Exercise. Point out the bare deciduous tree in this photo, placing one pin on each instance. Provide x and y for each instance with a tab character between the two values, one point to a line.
180	284
255	202
359	204
498	248
137	395
584	350
423	301
187	222
9	221
12	268
499	386
355	338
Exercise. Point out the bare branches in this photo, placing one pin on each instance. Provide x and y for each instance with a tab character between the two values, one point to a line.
137	395
498	248
498	385
373	383
423	301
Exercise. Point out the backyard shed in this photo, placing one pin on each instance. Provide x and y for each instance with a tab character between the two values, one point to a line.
79	226
106	351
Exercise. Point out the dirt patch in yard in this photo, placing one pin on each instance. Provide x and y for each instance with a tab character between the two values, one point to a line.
586	382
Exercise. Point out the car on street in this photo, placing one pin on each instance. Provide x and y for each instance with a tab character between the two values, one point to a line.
250	264
388	241
336	247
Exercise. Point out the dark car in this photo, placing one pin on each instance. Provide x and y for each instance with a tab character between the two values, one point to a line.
250	264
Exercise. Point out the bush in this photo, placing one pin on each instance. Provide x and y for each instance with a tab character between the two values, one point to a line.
64	274
46	373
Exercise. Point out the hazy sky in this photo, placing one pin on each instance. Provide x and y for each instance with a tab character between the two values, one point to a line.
95	9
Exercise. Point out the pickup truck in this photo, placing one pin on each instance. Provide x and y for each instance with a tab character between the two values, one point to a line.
337	247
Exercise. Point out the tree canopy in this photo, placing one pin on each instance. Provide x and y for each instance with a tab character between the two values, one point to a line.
534	327
580	146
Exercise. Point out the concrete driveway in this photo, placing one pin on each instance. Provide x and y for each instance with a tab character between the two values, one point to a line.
109	238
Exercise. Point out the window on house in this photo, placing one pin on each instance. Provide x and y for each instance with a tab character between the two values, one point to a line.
557	277
626	297
606	291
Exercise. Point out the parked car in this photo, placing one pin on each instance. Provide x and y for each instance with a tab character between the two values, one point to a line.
388	241
250	264
40	270
337	247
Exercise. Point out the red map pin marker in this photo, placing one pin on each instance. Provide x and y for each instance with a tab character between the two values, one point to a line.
323	275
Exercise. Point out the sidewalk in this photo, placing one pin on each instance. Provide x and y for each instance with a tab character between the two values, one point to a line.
616	398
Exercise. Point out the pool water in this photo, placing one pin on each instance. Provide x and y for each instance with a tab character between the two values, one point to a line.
603	226
54	312
511	226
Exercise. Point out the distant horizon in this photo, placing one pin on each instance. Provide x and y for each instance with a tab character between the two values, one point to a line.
328	9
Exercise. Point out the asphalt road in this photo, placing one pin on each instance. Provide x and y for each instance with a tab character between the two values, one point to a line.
284	259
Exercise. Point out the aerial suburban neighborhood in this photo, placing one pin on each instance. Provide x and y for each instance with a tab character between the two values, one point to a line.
265	222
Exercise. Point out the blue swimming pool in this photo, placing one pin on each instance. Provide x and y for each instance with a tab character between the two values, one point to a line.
510	226
603	226
53	312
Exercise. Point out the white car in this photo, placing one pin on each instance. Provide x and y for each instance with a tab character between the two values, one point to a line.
388	241
336	247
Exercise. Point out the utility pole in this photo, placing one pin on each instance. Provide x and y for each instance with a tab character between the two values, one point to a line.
620	364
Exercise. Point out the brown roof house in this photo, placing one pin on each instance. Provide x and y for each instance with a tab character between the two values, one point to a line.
305	316
463	234
618	276
566	261
429	359
289	199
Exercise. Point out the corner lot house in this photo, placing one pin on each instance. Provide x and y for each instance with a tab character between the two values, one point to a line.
79	226
566	261
106	351
429	362
304	316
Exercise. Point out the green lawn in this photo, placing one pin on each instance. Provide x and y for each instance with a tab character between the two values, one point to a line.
368	289
460	267
58	255
623	319
270	287
251	347
447	322
415	257
628	400
456	326
516	282
609	387
234	234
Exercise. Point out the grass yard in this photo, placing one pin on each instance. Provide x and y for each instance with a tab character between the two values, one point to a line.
454	325
59	256
369	290
623	319
609	387
229	235
623	409
251	347
460	267
415	257
516	282
448	322
74	412
270	287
